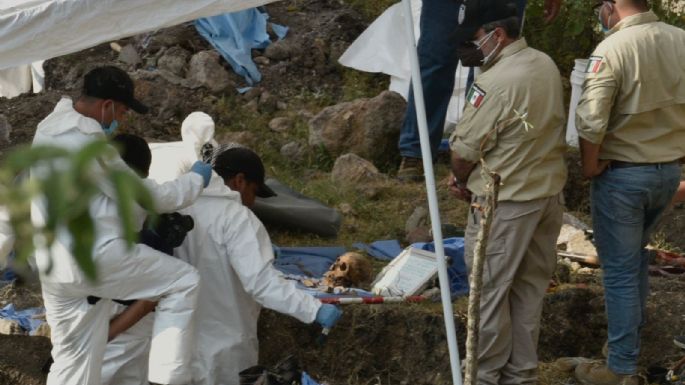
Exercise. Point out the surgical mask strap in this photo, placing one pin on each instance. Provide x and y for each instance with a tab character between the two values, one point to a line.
492	54
479	44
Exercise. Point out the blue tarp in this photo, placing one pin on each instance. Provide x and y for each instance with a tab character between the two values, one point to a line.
309	261
23	317
235	34
306	380
384	250
456	270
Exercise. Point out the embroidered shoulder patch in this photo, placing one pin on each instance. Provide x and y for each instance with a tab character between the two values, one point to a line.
476	96
593	64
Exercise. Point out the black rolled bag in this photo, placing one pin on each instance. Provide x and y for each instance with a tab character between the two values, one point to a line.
294	211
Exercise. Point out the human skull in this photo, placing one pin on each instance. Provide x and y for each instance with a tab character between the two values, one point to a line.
349	270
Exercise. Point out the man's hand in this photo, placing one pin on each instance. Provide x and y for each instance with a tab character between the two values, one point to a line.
589	156
552	8
459	190
591	171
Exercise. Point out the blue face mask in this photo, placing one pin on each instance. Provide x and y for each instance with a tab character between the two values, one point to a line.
113	125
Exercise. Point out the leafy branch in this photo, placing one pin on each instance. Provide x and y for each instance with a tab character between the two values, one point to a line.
66	183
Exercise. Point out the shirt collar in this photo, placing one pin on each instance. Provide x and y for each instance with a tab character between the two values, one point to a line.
637	19
509	50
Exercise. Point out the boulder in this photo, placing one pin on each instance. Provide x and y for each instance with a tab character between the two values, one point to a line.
369	128
129	55
280	124
293	151
352	169
245	138
205	70
5	129
174	60
279	50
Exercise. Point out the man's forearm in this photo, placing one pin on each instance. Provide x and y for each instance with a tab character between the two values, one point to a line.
589	152
461	168
129	317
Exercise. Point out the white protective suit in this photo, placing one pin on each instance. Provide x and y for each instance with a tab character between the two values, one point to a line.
233	254
125	360
79	330
171	159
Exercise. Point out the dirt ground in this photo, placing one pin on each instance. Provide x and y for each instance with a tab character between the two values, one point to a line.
373	344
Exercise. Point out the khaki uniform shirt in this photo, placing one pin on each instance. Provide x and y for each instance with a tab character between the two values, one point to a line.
530	160
633	101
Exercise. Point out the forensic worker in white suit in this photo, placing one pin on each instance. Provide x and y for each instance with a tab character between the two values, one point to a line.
79	329
232	252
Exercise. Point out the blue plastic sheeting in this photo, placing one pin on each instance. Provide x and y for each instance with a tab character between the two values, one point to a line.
383	250
235	34
306	380
308	261
456	270
23	317
279	30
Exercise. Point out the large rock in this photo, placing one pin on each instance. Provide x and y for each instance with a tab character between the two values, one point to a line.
367	127
5	129
351	169
205	70
174	60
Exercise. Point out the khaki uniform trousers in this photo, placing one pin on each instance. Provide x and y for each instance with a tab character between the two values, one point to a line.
521	258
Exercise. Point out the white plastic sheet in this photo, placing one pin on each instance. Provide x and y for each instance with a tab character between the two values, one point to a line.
22	79
34	30
380	49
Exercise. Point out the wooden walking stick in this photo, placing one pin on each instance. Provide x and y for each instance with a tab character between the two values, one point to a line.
492	180
476	278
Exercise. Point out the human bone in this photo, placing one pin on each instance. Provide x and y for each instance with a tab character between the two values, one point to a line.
349	270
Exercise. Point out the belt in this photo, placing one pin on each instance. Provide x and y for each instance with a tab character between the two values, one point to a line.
622	164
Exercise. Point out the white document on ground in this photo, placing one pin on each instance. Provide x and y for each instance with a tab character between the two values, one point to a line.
42	29
407	274
383	48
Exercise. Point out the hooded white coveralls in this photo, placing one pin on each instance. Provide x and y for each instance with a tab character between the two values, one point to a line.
233	254
79	330
125	360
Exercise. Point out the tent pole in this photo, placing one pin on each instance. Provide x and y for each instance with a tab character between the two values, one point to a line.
445	294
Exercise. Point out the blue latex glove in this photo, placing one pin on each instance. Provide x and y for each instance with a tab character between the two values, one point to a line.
328	315
203	169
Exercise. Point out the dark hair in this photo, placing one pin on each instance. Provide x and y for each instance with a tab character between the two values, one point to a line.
135	152
642	5
510	25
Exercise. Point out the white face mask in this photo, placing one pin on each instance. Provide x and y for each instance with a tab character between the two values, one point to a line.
480	43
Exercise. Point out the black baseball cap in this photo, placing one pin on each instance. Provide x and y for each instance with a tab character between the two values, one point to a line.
478	13
236	160
109	82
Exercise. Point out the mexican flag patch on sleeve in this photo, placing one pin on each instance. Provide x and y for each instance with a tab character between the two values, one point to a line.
475	96
593	64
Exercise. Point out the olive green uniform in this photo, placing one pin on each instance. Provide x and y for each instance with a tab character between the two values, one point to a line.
633	101
515	121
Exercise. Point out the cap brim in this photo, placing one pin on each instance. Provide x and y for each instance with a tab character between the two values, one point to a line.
137	106
265	191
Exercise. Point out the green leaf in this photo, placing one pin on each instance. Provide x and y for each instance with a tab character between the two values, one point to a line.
82	230
125	194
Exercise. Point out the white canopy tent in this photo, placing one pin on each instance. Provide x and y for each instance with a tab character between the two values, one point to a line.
42	29
34	30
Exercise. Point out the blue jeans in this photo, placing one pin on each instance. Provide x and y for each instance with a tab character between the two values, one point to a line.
437	50
626	206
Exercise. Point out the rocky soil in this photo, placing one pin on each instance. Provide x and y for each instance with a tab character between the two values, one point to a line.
306	113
